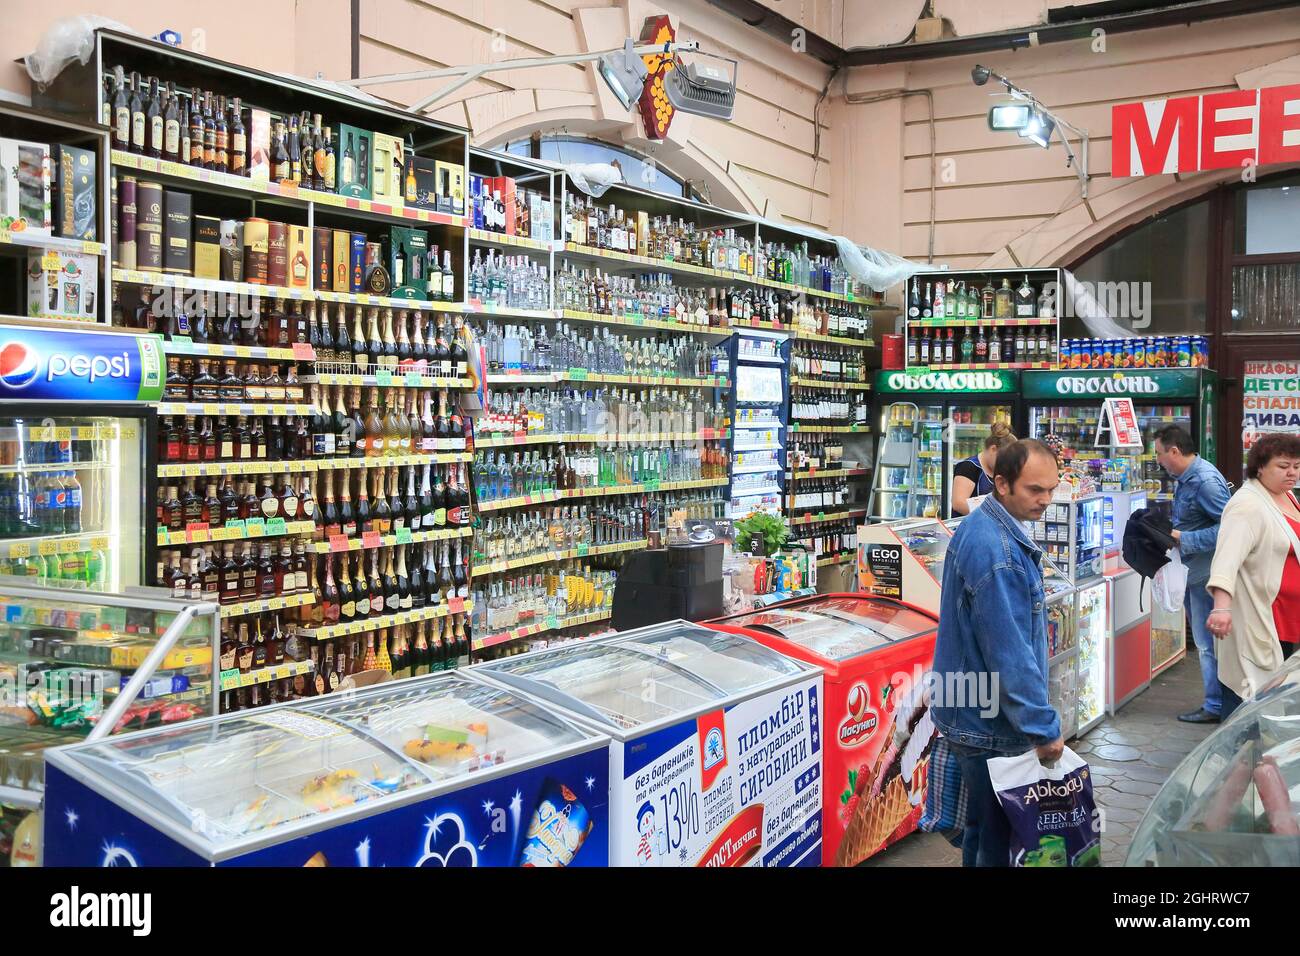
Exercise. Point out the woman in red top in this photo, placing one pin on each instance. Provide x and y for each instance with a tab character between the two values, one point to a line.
1286	606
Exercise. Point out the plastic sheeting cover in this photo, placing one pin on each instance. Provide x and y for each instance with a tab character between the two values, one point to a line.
874	268
72	38
593	178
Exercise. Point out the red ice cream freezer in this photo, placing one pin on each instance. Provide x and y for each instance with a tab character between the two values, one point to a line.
877	729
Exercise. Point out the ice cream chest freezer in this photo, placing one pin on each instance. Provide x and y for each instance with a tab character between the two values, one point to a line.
446	770
715	753
876	728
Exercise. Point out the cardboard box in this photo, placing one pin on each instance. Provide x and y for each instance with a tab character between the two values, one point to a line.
357	262
455	186
259	145
25	187
178	253
207	247
322	265
426	183
643	233
408	252
149	227
232	250
77	191
342	280
125	257
476	201
355	150
387	169
505	186
62	285
299	258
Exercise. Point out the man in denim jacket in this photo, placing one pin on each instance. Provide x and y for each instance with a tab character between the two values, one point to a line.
991	654
1199	500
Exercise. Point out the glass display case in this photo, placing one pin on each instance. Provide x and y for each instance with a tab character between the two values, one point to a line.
685	708
1092	669
909	481
904	560
1232	801
1071	534
394	775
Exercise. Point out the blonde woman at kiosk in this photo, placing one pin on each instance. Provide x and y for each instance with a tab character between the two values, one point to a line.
973	477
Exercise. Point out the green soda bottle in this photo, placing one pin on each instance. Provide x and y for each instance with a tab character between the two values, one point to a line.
53	568
96	569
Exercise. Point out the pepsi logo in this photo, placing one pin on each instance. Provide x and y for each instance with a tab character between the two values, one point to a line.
18	365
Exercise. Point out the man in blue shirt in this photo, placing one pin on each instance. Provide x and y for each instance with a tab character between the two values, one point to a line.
990	661
1199	499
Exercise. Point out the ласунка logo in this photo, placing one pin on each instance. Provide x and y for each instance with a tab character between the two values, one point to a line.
18	365
861	722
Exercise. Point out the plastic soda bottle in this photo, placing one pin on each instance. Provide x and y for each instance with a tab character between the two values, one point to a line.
96	567
72	504
53	567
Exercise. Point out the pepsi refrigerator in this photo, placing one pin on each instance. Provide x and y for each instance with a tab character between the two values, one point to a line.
930	421
715	755
440	771
876	727
77	420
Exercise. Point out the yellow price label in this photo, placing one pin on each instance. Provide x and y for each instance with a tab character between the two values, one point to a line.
70	547
210	408
128	432
5	236
46	548
20	550
265	677
91	248
51	262
63	434
247	680
243	351
40	433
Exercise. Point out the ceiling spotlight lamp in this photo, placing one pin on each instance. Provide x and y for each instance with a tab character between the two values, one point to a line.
624	73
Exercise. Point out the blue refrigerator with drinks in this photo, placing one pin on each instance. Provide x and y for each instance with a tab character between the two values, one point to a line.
77	448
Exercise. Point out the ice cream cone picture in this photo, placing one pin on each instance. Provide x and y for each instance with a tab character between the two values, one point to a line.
317	859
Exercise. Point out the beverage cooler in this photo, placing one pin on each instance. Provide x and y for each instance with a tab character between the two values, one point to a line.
759	423
904	560
1068	404
76	450
440	771
876	730
929	422
715	756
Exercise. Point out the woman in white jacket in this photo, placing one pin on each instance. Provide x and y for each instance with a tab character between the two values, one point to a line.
1255	577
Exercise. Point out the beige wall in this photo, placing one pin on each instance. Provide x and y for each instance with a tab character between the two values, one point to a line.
997	199
1000	200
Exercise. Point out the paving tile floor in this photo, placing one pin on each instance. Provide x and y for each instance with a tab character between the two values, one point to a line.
1131	755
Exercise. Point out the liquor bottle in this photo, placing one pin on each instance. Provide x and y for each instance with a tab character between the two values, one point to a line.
209	134
329	180
154	122
349	164
238	140
360	355
981	347
391	593
995	346
281	170
329	597
459	355
221	137
139	126
306	154
1025	300
426	501
347	596
392	424
383	512
340	427
377	599
195	157
925	348
365	514
172	126
374	428
358	426
121	114
361	586
405	599
347	516
949	347
448	278
420	657
429	584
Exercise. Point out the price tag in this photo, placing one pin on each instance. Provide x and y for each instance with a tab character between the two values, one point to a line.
24	550
371	539
414	379
403	535
163	538
255	528
551	622
383	377
283	671
265	676
456	605
578	374
276	526
51	262
236	525
46	548
338	542
247	680
583	550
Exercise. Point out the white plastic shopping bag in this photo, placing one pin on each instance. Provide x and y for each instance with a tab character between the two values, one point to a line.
1051	809
1170	583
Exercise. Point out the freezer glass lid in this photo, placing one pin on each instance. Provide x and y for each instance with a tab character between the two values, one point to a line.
732	663
451	726
625	687
231	779
839	628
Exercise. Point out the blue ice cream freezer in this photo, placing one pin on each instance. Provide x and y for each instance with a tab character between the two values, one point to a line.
446	770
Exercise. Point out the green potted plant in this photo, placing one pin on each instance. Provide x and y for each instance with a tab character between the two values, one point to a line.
763	533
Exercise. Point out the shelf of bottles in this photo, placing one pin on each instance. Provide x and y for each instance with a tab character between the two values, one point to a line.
822	516
958	321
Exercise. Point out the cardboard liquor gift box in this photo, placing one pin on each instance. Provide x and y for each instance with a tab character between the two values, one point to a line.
76	205
25	187
388	168
355	169
62	285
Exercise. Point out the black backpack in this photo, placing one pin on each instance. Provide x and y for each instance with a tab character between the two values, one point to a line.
1146	539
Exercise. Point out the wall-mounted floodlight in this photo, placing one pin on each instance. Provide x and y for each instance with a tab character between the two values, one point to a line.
624	73
1014	116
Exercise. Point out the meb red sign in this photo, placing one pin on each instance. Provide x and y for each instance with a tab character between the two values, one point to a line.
1189	134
